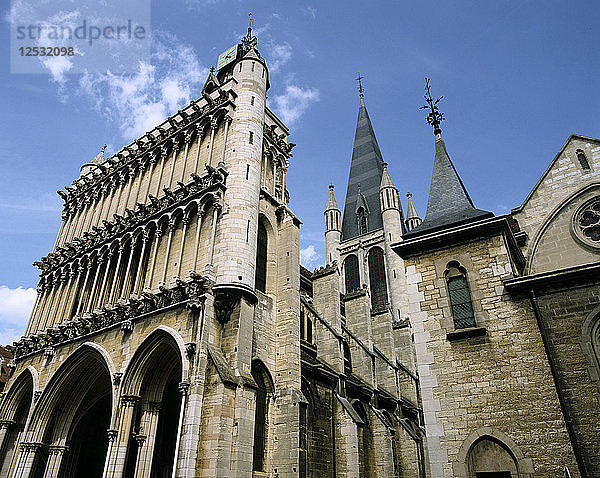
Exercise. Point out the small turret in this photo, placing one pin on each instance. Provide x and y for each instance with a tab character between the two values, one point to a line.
412	216
333	228
391	208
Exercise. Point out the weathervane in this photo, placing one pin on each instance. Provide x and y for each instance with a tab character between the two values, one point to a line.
434	118
360	87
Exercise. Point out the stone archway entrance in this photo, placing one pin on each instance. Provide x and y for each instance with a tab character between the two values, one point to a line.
67	435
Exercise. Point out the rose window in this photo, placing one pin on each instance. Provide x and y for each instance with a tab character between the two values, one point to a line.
586	222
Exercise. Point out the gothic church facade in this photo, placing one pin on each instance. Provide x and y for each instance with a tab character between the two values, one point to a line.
175	332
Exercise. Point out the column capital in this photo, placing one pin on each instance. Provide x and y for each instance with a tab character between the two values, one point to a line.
6	423
228	119
58	449
184	387
112	434
129	400
214	124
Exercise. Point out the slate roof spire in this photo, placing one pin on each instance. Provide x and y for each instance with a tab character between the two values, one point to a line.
449	202
366	169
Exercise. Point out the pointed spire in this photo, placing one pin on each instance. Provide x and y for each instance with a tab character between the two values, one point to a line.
412	216
367	168
331	202
449	202
386	180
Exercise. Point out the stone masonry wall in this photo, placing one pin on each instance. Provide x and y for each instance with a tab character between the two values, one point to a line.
501	380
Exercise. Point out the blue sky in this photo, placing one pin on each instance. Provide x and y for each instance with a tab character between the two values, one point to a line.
517	77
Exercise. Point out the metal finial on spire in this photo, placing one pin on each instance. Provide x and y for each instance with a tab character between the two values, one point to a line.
250	22
361	92
331	186
408	194
434	118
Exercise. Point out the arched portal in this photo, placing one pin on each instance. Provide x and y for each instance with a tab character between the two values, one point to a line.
151	382
71	419
14	416
489	458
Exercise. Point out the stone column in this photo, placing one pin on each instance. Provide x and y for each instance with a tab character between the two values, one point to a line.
153	161
118	450
103	198
36	305
113	288
68	289
187	138
60	230
56	284
81	305
200	135
55	456
5	425
25	459
199	216
148	424
172	225
163	159
69	309
213	234
184	388
157	235
173	161
213	128
141	170
138	277
102	291
99	263
185	221
228	119
123	293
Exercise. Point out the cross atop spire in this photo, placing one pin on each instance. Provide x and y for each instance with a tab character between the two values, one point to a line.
361	92
434	118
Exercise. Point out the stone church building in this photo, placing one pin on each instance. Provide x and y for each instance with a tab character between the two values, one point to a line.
175	333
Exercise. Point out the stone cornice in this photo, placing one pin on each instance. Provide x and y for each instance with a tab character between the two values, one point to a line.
139	153
213	181
181	292
568	275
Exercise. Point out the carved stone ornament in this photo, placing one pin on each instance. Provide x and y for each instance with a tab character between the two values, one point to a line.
586	223
117	376
224	303
190	349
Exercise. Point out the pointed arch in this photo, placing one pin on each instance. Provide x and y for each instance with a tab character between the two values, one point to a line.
494	442
265	390
590	343
377	279
351	273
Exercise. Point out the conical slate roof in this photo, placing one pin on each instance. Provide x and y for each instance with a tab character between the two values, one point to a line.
365	170
411	210
331	202
386	180
449	202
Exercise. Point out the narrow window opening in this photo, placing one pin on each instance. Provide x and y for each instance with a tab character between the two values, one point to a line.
251	138
379	299
351	273
583	161
302	325
252	101
252	66
240	67
247	171
260	281
248	231
460	296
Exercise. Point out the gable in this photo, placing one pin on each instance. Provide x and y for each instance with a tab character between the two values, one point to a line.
563	179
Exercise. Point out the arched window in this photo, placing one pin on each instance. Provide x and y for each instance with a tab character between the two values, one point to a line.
583	161
379	299
490	457
351	273
361	217
264	388
460	296
260	279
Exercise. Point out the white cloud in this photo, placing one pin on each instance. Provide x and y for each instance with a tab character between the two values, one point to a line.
293	102
310	11
140	101
308	256
278	54
15	307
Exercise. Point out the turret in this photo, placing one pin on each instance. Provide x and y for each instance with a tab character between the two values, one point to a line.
391	209
236	255
333	228
412	216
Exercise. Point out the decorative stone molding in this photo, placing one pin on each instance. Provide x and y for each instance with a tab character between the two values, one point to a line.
190	349
111	434
116	378
184	387
212	181
36	395
129	400
225	302
190	291
6	424
49	352
127	326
